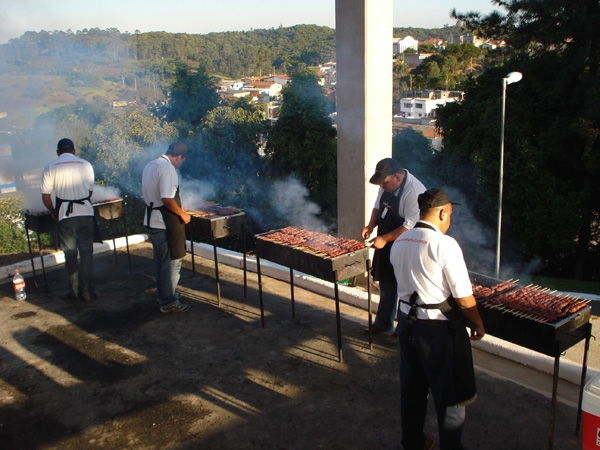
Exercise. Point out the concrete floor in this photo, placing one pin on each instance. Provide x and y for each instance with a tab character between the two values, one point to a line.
525	377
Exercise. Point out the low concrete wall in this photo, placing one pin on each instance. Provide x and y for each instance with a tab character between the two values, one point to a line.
568	370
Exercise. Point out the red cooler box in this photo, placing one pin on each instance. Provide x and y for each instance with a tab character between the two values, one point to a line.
590	436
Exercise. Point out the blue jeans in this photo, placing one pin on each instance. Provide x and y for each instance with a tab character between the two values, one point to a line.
77	234
388	305
426	363
166	269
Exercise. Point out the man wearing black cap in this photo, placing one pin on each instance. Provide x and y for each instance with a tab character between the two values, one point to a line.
395	211
436	304
71	180
165	222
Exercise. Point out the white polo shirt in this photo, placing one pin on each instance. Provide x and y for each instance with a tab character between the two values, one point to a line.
431	263
408	206
159	180
69	178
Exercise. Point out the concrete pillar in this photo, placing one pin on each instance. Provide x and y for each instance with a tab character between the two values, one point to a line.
364	32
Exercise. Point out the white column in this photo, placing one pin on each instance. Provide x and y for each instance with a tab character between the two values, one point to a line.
364	32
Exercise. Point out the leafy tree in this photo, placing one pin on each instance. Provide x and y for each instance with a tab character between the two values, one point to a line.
427	48
552	135
302	142
415	153
229	157
191	96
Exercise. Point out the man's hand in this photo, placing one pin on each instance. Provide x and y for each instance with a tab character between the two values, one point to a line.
477	333
185	217
378	242
366	232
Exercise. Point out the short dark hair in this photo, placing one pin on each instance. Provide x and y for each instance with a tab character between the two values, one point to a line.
177	148
65	146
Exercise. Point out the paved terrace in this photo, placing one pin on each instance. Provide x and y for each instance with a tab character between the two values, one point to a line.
119	374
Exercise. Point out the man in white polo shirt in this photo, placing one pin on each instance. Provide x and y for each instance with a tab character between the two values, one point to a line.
71	180
436	303
165	222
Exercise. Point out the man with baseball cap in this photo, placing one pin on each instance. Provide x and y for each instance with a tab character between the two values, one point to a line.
436	304
395	211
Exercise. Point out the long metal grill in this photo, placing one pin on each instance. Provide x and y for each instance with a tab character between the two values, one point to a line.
212	222
538	319
318	254
530	316
39	222
107	212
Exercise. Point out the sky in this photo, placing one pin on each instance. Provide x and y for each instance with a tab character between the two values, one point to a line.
205	16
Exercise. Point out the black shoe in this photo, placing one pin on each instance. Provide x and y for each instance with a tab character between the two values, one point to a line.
69	296
375	329
393	339
89	299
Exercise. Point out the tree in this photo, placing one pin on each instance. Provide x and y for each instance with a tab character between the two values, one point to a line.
552	140
303	141
415	153
191	96
229	157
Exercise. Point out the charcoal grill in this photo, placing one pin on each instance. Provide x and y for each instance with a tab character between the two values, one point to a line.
550	338
332	269
212	223
107	213
39	222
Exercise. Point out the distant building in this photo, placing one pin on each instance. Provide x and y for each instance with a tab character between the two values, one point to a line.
438	43
400	45
415	59
425	104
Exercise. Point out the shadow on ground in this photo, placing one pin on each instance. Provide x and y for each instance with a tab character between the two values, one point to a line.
118	374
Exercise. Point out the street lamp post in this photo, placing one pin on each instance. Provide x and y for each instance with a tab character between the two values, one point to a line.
512	77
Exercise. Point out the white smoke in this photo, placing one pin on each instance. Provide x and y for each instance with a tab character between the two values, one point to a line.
105	193
290	200
194	193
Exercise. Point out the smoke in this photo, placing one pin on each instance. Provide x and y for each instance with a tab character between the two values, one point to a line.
194	193
290	201
105	193
478	243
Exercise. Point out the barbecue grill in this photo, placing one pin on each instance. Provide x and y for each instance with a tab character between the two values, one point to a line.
39	222
346	263
212	223
107	212
535	329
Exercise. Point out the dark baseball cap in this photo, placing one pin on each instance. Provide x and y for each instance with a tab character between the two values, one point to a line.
177	149
432	198
385	168
65	144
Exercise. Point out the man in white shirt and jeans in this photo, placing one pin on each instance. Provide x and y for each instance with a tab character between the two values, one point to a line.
165	221
71	180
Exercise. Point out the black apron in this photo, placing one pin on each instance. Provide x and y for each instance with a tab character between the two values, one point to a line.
174	227
464	372
389	220
80	201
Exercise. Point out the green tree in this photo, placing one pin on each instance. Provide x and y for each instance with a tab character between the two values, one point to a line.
229	158
302	142
552	139
415	153
191	96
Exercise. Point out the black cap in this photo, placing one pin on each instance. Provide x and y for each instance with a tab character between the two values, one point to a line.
385	168
178	148
65	145
432	198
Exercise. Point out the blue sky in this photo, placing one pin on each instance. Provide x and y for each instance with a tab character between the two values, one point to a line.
204	16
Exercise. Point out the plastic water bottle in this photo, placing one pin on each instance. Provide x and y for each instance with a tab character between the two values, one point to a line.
19	285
